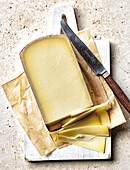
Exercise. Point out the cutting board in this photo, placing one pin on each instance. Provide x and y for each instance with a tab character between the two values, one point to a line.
71	152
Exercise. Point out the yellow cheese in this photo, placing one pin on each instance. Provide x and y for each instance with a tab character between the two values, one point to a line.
55	126
55	77
100	107
98	130
89	120
95	143
64	121
104	118
97	118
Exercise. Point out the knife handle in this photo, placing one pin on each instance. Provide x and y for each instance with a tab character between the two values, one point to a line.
118	92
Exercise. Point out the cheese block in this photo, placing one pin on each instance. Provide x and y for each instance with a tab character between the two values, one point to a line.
55	78
94	143
100	107
98	130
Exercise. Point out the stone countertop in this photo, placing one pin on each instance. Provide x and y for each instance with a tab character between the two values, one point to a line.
23	21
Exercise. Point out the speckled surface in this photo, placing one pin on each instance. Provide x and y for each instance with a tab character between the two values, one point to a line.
25	20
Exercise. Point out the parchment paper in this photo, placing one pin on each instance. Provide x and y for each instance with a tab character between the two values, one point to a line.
21	98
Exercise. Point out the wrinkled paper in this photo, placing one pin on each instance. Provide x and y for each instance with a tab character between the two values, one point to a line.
21	98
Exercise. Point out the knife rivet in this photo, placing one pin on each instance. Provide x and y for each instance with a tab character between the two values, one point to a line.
120	93
111	82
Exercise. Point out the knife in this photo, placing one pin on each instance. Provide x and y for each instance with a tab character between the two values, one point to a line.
95	64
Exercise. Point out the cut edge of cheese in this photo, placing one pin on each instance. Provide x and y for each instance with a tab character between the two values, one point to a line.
86	99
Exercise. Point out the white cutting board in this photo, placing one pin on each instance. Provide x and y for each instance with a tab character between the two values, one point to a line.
71	152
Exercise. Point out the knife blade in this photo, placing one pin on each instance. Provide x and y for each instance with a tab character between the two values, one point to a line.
95	64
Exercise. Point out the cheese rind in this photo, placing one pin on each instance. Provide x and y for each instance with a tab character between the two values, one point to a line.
55	77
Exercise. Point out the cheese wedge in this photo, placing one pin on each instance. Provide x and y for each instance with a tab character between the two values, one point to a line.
95	143
103	106
98	130
55	78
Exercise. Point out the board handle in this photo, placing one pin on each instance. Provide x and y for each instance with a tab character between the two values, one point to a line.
60	11
119	93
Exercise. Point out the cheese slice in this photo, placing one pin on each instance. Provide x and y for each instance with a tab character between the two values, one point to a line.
96	118
98	130
95	143
89	120
99	117
64	121
103	106
55	126
104	118
55	78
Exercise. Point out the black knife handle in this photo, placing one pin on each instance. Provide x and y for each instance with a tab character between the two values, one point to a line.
119	93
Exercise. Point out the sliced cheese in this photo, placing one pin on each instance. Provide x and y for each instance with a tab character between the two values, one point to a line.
55	126
100	107
64	121
95	143
89	120
97	118
104	118
98	130
55	78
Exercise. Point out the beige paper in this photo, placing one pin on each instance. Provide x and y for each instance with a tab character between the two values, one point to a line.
22	101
